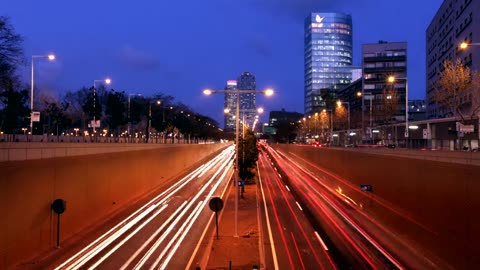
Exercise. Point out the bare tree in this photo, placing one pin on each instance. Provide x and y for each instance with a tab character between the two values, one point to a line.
341	117
390	105
458	90
11	51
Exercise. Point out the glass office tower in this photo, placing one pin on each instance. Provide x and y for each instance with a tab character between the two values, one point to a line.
328	57
248	106
230	104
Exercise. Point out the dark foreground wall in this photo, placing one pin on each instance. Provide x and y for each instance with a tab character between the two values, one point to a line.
443	197
94	186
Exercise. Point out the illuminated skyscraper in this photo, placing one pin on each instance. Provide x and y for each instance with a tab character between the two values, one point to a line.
231	105
248	106
328	57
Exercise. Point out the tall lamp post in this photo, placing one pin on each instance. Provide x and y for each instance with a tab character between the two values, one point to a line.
238	92
128	115
106	81
464	46
50	57
339	104
331	123
158	102
391	79
369	96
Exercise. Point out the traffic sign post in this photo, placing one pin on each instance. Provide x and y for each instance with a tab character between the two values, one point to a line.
59	206
366	187
216	204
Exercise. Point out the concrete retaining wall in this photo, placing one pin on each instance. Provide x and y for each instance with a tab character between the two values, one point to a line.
94	186
442	196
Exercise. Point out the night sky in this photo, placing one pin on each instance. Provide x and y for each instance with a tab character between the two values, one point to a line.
181	47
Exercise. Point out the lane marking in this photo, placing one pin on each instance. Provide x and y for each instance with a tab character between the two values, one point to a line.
321	241
299	206
272	245
287	188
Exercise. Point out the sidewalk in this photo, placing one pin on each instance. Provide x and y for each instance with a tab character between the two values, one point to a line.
241	251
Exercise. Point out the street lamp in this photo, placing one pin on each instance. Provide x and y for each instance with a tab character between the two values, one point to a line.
50	57
369	96
106	81
465	45
391	79
129	118
331	123
238	92
339	104
158	102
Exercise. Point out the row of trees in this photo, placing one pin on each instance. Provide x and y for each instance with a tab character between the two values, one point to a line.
119	113
457	93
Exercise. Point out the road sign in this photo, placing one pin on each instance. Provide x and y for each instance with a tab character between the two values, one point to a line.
366	187
467	128
241	183
216	204
35	116
95	124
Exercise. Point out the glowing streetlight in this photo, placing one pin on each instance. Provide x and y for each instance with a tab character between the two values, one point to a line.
464	45
238	92
207	92
339	104
391	79
268	92
106	81
49	57
158	102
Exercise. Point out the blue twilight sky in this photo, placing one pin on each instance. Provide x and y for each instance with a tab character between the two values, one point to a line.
181	47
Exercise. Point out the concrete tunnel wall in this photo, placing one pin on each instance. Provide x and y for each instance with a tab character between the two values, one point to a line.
93	186
440	195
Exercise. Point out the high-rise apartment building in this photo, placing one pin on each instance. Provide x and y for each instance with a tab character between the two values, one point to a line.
231	105
456	21
328	57
248	106
380	61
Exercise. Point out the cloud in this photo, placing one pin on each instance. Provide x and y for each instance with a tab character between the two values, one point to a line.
259	46
299	9
138	60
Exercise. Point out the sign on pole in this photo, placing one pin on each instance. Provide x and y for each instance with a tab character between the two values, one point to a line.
35	116
216	204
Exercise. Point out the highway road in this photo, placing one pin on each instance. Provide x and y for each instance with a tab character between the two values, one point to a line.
345	218
165	232
293	242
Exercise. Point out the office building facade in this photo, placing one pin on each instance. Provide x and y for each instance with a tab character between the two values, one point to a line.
231	105
380	61
328	57
456	21
248	107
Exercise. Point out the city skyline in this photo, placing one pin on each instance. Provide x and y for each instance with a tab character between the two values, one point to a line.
181	48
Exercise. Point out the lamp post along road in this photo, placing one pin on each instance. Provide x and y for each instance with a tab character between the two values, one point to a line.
50	57
238	92
158	102
339	104
392	79
107	81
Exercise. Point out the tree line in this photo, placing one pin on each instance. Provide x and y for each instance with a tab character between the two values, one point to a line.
120	114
